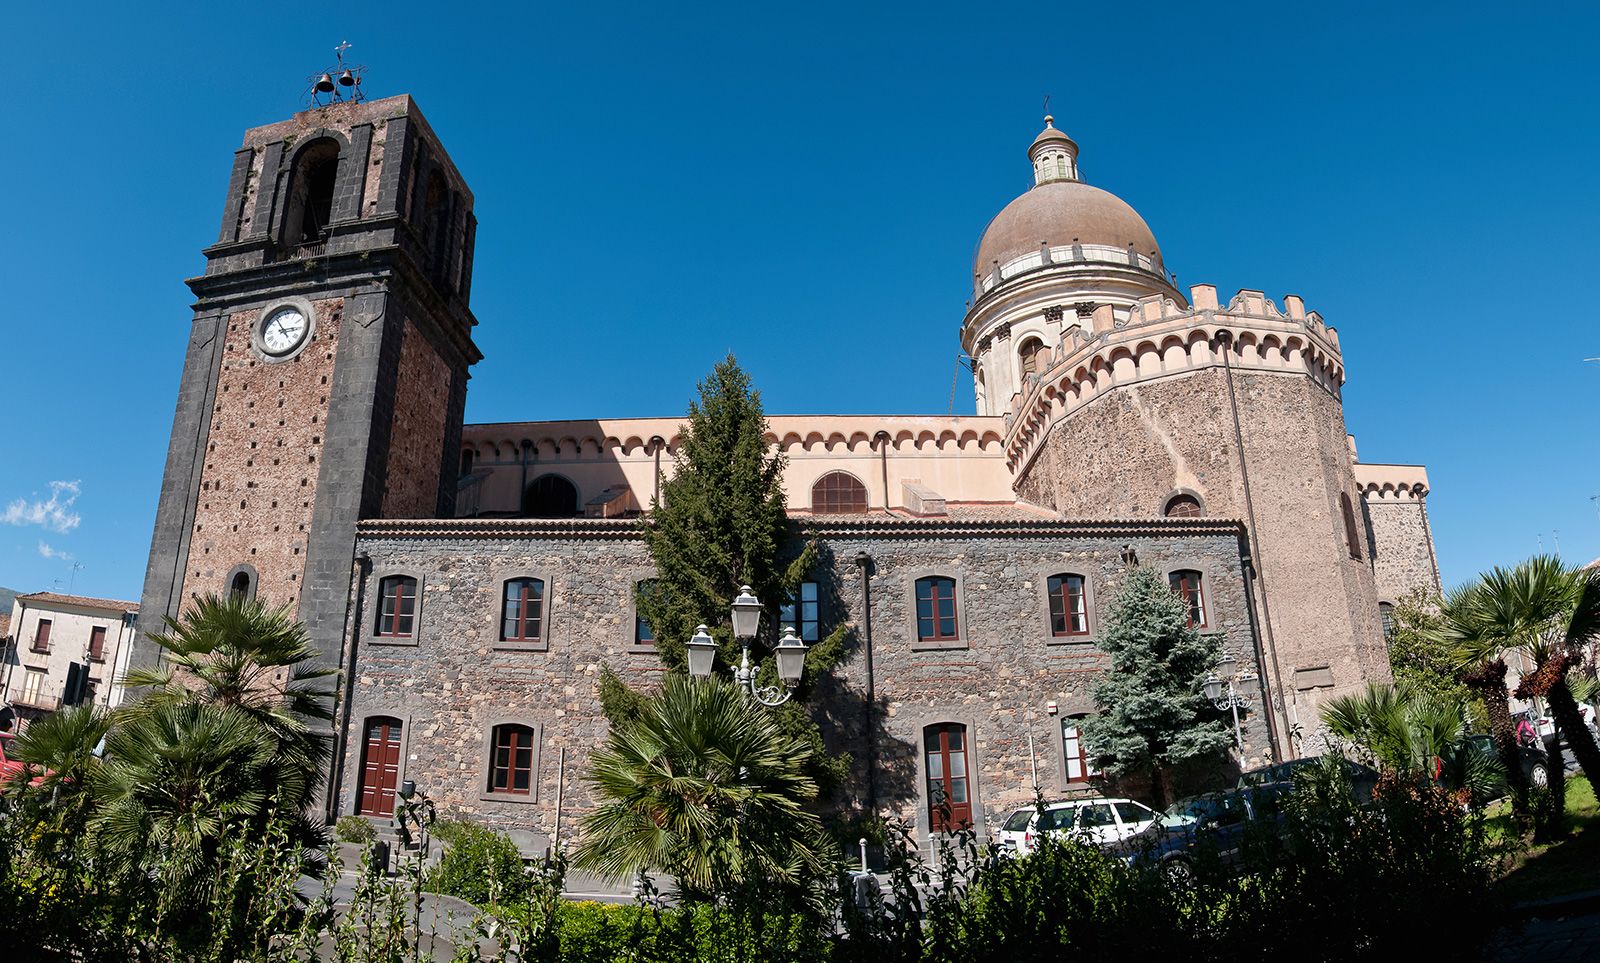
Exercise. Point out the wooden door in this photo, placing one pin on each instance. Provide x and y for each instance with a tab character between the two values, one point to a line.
949	796
380	767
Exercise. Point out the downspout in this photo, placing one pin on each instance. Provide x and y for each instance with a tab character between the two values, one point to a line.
360	564
864	563
1249	565
1422	506
1226	340
15	650
657	442
883	460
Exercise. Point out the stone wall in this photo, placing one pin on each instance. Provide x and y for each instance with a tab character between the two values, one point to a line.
421	405
1402	545
455	680
259	477
1128	451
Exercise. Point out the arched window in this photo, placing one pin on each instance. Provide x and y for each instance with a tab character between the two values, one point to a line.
310	207
380	766
1386	613
1031	357
838	493
1186	582
436	225
240	588
1183	505
550	496
949	796
511	768
1352	537
1069	608
522	611
643	632
1080	765
466	462
397	607
936	609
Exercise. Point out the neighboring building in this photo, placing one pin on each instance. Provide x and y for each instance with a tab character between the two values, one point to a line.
48	632
474	579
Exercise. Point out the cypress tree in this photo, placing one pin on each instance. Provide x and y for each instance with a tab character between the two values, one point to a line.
1153	713
721	522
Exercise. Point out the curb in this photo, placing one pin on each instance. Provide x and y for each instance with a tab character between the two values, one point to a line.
1574	904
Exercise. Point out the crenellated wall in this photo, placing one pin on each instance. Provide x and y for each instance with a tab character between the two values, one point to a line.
1394	502
1240	407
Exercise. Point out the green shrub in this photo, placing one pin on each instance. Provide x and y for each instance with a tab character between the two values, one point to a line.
354	829
601	932
479	865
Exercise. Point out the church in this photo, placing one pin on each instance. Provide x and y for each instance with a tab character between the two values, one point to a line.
471	581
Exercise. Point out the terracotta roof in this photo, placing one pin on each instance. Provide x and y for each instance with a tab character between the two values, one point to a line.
1061	213
56	598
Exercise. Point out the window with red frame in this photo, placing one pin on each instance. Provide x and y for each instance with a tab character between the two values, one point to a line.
397	607
945	752
1069	609
1080	765
41	636
1183	506
1187	584
522	611
97	643
936	609
511	770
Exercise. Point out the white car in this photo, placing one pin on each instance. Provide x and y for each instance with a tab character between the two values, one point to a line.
1098	821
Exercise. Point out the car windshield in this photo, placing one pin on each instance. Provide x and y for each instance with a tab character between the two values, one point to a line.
1018	821
1187	812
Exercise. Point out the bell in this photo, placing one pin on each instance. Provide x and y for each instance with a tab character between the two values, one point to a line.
324	84
347	79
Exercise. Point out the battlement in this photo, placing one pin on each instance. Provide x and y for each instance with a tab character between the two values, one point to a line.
1159	338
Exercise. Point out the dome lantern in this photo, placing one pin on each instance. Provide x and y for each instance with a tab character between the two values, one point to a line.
1054	155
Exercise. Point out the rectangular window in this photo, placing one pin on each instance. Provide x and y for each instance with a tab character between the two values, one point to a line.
97	643
397	607
803	612
33	686
1079	766
936	609
522	614
1069	611
1187	584
945	752
41	636
643	633
512	770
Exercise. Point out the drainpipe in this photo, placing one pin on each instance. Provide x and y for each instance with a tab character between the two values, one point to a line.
864	564
15	649
657	442
1226	340
362	564
1248	565
882	437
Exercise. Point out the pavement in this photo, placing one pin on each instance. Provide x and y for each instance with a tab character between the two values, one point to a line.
1558	931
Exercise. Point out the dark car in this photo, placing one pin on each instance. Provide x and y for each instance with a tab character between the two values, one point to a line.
1535	764
1215	826
1363	779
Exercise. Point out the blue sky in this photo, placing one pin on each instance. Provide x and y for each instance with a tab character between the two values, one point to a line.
803	185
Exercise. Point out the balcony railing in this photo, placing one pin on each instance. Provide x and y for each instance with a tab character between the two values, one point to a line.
36	701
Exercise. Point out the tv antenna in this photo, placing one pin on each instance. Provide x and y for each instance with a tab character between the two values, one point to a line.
339	83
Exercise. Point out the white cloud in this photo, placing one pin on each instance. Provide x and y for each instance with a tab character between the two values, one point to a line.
53	513
48	552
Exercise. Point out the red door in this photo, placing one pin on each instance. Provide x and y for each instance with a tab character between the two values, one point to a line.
949	801
380	767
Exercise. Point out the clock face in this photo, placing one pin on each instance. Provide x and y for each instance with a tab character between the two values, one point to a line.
283	330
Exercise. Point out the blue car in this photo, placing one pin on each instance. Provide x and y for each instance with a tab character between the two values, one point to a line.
1214	826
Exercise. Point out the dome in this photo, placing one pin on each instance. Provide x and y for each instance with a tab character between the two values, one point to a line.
1062	212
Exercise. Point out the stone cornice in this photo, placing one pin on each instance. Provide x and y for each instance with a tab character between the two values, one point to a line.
633	529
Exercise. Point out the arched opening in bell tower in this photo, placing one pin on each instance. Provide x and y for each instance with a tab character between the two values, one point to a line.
311	185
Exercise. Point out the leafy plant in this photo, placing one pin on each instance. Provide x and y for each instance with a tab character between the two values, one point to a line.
354	829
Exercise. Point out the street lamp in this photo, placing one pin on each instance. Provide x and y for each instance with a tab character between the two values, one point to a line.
790	652
1213	688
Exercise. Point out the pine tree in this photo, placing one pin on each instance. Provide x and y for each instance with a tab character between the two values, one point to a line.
1153	713
720	523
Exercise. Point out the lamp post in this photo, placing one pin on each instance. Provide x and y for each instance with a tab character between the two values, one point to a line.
1232	701
790	653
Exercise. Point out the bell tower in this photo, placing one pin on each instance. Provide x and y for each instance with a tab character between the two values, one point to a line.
326	371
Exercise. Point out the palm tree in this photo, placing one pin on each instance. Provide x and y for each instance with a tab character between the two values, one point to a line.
1549	612
1414	734
1482	670
706	788
62	745
239	655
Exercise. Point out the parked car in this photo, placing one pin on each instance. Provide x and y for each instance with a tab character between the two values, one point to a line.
1363	779
10	769
1535	764
1214	825
1098	821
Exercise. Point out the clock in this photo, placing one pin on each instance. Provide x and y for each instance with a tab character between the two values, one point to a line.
282	330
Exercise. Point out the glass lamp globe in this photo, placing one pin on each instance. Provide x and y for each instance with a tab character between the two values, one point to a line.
791	655
746	614
702	652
